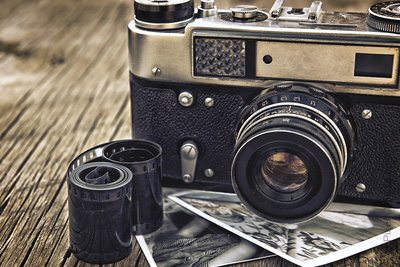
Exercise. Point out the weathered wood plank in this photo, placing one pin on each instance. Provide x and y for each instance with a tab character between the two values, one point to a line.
26	227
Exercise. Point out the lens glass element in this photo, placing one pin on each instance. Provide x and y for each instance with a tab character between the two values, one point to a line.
284	172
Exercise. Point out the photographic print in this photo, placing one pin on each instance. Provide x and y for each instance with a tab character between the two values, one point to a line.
186	239
327	238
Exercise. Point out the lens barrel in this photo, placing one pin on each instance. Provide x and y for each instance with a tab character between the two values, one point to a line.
292	147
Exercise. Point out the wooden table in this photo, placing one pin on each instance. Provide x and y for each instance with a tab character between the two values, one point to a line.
64	89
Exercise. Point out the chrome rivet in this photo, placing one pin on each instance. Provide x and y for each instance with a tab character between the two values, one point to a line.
209	173
366	114
187	178
361	187
156	71
209	102
189	152
185	99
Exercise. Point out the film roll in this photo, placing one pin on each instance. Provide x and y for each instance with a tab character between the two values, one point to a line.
143	158
99	199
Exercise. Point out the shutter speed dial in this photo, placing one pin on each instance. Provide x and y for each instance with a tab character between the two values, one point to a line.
244	12
385	16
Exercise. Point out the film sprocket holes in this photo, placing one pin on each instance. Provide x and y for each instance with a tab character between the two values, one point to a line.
114	192
143	158
99	200
292	106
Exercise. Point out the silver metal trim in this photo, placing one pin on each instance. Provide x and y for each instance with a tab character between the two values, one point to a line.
189	154
311	14
244	11
172	51
394	19
162	26
207	4
315	10
186	99
276	8
320	62
207	9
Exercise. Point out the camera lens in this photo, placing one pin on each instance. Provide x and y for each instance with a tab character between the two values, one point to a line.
292	147
284	172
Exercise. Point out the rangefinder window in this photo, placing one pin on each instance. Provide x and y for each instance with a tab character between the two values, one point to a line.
373	65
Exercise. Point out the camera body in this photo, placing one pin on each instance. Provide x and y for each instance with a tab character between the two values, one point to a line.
290	106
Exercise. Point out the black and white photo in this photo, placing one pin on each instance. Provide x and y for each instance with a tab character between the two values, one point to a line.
185	239
327	238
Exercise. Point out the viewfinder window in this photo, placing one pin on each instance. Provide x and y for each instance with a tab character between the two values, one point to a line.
373	65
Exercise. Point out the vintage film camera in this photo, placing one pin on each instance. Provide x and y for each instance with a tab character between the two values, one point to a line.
293	107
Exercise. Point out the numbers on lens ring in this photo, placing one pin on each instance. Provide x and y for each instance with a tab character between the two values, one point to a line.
313	103
296	99
264	103
284	98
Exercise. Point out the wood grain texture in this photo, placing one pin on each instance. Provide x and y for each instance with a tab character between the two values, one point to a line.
64	89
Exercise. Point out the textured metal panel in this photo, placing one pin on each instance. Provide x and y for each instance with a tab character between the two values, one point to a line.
319	62
220	57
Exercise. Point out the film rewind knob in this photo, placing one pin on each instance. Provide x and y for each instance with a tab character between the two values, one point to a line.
163	14
385	16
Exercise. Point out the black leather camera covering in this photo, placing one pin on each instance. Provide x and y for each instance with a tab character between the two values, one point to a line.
376	162
157	116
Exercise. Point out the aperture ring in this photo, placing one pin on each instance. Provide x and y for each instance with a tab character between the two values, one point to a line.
295	125
328	129
248	121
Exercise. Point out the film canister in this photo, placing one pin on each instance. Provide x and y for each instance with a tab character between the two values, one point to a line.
143	159
99	199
